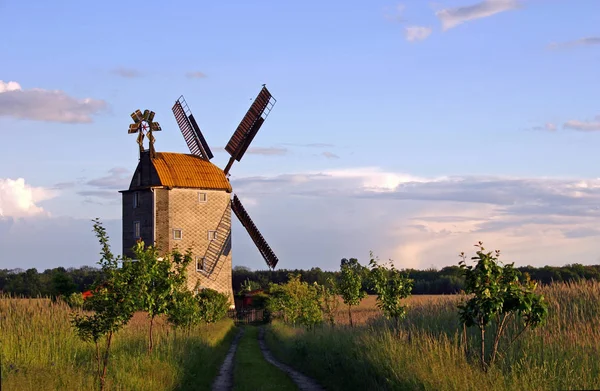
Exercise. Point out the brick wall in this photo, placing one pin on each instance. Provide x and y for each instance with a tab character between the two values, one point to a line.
143	213
181	209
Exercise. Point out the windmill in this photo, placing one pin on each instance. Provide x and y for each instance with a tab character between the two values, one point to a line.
236	147
182	200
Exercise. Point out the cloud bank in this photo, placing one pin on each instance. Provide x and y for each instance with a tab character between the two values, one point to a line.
46	105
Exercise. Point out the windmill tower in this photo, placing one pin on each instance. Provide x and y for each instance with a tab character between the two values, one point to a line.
184	201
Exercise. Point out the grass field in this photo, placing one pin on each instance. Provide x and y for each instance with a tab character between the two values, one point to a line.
427	353
40	351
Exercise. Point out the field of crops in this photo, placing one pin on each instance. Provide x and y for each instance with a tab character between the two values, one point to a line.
428	352
40	351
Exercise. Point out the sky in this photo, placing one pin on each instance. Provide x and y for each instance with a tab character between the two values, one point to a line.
410	129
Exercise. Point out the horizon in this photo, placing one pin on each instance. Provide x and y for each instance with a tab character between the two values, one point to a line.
409	129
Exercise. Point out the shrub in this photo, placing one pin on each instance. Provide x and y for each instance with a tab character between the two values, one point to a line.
297	301
212	305
75	300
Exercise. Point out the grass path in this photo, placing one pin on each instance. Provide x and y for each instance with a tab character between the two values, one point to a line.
252	372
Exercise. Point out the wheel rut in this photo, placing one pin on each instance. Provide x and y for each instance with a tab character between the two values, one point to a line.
303	382
224	380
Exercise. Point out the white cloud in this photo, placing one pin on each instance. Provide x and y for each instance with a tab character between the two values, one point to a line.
584	126
588	41
18	199
419	222
452	17
417	33
46	105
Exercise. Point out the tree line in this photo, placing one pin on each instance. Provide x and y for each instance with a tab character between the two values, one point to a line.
448	280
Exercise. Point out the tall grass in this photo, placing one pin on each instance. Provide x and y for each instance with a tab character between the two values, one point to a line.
40	351
427	353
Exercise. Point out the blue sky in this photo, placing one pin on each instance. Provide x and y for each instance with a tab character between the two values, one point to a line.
412	129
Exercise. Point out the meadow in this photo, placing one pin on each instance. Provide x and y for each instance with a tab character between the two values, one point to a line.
40	351
428	351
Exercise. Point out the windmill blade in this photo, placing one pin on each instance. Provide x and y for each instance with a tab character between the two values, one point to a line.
137	116
133	128
251	123
255	234
190	130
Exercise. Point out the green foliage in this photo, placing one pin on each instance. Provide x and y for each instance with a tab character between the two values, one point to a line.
160	279
260	300
350	285
329	301
297	301
184	311
112	304
249	285
212	305
391	287
75	300
498	296
62	284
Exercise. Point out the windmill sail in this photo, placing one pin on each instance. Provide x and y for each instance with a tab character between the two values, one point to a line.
219	245
251	123
256	236
190	130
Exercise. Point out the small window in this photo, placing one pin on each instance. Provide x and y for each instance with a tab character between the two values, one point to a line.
136	200
212	235
201	197
177	234
200	264
136	230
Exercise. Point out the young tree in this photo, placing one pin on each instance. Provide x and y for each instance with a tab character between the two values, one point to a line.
161	278
498	297
391	287
112	303
297	300
329	300
350	285
184	310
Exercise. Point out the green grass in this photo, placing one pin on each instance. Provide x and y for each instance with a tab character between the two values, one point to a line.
40	351
252	372
427	353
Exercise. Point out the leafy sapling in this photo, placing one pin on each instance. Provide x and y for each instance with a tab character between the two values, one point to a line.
498	297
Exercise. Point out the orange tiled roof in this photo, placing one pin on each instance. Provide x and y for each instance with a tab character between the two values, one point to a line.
183	170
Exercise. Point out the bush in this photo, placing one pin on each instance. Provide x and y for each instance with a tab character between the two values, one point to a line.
213	305
74	300
298	302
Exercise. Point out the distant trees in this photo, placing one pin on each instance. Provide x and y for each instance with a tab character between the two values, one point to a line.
447	280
